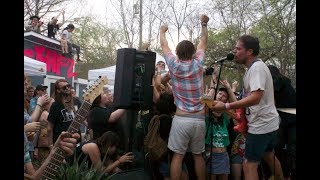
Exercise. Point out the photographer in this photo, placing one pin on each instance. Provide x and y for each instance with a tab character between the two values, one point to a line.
35	24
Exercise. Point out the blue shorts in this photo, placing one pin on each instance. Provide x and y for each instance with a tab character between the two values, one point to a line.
258	144
165	171
236	159
220	163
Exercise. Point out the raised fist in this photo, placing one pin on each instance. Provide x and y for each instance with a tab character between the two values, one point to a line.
204	18
164	28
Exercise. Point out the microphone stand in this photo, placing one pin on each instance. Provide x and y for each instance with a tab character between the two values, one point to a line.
211	117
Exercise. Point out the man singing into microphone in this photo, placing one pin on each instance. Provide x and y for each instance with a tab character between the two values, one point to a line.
188	125
258	101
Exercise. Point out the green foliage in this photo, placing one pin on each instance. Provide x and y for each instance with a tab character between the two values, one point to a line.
272	21
79	171
98	45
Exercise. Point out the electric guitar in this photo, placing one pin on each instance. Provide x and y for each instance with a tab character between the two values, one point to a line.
91	92
209	101
239	116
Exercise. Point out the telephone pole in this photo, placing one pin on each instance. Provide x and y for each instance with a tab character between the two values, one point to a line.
140	26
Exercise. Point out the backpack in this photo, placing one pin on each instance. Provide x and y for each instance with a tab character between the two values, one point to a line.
155	146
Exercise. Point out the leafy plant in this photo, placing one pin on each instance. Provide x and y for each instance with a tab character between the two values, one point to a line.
80	171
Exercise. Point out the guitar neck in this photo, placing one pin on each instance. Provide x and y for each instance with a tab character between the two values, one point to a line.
58	155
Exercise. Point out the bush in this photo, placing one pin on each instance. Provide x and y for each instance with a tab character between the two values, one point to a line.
82	171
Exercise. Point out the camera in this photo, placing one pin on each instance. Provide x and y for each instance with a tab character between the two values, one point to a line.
208	71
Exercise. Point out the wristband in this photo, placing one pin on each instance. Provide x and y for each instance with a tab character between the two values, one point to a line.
227	105
39	105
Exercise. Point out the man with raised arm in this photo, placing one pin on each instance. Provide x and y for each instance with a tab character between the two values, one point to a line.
188	126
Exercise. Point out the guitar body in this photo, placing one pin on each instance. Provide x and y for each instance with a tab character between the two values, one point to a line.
208	100
241	118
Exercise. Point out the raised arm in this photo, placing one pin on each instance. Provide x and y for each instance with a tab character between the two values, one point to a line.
116	115
163	40
60	24
204	33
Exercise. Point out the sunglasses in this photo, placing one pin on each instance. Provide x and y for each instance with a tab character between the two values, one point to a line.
65	87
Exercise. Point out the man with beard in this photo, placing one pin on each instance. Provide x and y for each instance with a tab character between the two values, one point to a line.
62	111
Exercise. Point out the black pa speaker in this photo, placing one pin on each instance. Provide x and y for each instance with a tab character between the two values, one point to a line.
133	79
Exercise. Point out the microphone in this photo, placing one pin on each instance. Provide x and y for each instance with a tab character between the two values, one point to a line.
229	57
209	71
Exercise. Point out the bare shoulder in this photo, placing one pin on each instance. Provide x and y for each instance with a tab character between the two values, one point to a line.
89	147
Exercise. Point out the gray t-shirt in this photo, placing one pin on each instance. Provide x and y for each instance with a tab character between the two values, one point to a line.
263	117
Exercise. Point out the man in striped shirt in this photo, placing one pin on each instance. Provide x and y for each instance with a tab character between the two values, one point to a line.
188	125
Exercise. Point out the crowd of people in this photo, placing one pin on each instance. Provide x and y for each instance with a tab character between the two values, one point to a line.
201	140
35	24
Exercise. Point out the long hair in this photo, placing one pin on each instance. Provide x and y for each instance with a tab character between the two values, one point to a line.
165	104
108	139
275	73
56	95
96	102
70	26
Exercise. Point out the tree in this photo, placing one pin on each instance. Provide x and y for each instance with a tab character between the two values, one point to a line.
277	34
272	21
98	45
43	7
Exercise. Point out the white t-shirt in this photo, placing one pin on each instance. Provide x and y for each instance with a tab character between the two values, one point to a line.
263	117
66	33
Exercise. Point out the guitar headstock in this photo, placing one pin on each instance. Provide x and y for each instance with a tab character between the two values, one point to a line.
208	100
95	89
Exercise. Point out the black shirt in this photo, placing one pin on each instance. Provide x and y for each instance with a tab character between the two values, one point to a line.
61	118
285	97
98	121
52	30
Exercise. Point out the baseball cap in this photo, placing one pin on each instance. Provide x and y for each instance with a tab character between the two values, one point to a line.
34	17
41	87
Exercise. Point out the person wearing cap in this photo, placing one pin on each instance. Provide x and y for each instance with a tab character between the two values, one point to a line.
39	91
66	34
35	24
54	26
